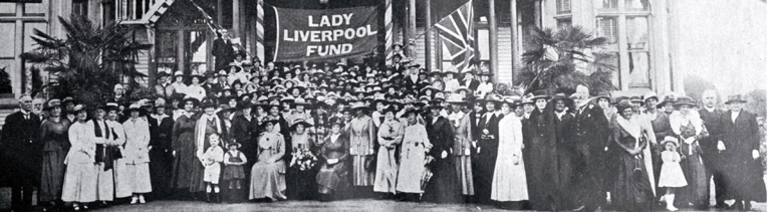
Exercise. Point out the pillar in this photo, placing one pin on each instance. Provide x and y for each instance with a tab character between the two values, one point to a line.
428	34
412	29
260	40
389	39
493	41
514	39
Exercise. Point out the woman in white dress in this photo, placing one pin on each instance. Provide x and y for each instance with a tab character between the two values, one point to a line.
136	154
389	136
414	149
509	183
79	185
122	178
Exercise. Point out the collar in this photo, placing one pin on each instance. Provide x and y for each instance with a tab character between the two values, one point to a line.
159	117
561	114
26	113
710	110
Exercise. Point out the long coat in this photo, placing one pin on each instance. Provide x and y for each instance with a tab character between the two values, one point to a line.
362	138
541	158
745	173
183	145
591	136
21	150
565	148
160	153
245	132
463	146
389	136
442	188
414	149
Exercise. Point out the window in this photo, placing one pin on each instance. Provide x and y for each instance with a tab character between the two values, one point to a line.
38	9
643	5
563	6
609	4
639	69
563	22
637	34
607	27
80	7
8	8
7	37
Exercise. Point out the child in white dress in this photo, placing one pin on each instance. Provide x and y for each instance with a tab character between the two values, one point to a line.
211	160
671	175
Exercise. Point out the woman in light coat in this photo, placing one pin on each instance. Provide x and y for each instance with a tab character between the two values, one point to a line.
415	147
389	135
136	154
79	186
509	183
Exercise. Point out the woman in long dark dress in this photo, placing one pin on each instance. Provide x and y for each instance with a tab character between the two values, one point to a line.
53	133
442	188
299	177
183	145
333	155
632	188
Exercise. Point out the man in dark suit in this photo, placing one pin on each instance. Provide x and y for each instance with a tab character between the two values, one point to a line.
712	156
22	154
591	134
741	148
469	80
411	79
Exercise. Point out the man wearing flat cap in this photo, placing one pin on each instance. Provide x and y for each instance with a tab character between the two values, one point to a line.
21	153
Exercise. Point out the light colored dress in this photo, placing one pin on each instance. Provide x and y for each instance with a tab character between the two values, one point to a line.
122	176
671	175
137	155
105	178
362	137
414	148
389	136
461	122
268	174
510	181
80	177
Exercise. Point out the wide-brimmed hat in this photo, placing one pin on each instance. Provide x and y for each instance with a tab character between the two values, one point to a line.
410	111
67	99
288	99
208	103
110	106
244	104
300	121
236	144
650	95
357	105
513	101
561	96
684	101
456	98
52	103
296	87
539	94
463	88
667	99
78	108
195	102
272	121
636	99
734	99
623	105
135	107
670	139
604	95
163	74
300	101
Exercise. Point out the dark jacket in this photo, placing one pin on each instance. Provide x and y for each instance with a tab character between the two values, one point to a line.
21	149
441	135
713	126
160	134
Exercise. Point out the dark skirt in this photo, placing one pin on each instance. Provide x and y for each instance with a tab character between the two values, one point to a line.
696	191
632	188
301	184
52	175
442	187
332	178
233	172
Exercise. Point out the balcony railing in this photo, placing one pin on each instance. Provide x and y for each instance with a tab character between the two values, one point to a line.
140	11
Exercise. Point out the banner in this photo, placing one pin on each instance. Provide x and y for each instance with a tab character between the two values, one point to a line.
325	34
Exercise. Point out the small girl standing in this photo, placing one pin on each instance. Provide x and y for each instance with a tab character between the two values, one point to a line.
211	159
234	161
671	175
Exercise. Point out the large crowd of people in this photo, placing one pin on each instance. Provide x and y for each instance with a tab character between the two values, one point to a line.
317	131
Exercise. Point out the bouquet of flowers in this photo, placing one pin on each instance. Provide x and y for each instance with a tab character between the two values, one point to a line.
303	159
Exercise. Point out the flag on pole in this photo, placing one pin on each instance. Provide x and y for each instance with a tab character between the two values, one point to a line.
456	32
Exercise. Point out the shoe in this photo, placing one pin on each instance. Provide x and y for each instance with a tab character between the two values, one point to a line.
738	205
85	207
747	206
208	197
141	199
134	200
671	208
76	208
721	205
218	197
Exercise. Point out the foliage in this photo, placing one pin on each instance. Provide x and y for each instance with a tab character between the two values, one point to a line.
5	81
89	61
142	92
695	85
563	59
506	89
756	102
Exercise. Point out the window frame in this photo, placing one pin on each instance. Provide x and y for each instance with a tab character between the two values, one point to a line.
621	47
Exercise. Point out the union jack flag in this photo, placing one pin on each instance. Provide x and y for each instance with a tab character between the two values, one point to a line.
456	31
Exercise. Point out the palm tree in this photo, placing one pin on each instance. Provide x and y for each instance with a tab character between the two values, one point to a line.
89	61
563	59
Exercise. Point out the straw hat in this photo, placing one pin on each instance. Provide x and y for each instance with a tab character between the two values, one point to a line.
734	99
